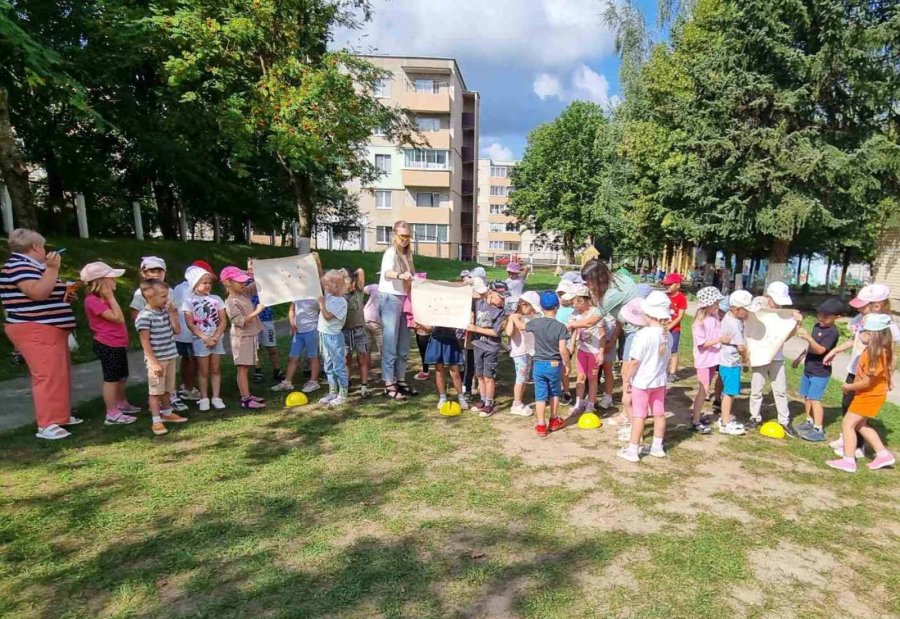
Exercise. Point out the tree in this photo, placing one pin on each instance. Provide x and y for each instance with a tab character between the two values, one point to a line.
557	181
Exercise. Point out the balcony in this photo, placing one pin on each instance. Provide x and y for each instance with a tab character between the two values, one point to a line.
415	177
468	120
437	139
468	154
426	101
468	186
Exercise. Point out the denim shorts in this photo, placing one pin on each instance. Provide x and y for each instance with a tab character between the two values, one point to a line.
443	352
813	387
547	376
523	368
305	345
201	350
731	380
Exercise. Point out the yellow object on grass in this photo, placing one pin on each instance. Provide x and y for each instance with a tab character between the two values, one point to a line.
295	398
589	421
450	409
772	429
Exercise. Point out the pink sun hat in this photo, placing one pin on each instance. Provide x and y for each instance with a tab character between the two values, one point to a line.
513	267
631	312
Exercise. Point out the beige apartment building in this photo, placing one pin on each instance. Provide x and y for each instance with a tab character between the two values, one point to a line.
431	187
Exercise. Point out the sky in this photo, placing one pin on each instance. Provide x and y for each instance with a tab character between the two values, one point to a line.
527	58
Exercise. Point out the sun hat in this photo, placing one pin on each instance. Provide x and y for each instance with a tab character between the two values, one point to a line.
831	307
873	293
99	270
193	275
780	293
578	290
631	312
549	300
876	322
573	276
478	272
532	298
672	278
478	285
203	264
152	262
513	267
657	305
234	274
742	299
500	288
465	273
642	290
566	286
708	296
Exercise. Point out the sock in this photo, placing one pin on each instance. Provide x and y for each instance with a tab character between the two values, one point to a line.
633	447
113	412
817	427
489	401
589	406
442	398
165	411
342	392
883	452
157	419
518	403
657	443
577	401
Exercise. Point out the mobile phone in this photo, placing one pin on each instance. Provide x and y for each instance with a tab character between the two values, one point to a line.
61	250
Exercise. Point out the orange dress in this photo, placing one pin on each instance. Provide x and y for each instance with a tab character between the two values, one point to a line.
868	402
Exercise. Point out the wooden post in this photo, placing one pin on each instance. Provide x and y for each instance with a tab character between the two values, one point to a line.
6	206
182	224
81	215
138	221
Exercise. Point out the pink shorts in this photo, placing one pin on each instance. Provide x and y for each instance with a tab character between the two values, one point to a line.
705	376
586	363
645	401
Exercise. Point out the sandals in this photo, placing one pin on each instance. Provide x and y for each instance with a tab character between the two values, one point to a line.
394	393
52	433
73	421
406	389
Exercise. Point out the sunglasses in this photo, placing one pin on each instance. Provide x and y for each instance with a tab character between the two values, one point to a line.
404	237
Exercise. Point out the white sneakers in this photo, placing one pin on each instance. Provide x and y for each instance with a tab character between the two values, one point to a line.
218	404
203	404
628	454
310	386
521	410
732	428
606	401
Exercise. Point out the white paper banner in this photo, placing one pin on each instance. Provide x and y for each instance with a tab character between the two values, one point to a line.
441	304
284	280
766	331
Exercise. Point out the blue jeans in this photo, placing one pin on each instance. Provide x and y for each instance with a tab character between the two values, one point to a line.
333	347
394	338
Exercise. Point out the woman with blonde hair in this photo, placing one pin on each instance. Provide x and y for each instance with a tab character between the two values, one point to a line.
39	319
394	286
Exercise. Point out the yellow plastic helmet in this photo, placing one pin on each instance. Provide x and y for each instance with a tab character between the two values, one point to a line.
772	429
295	398
450	409
589	421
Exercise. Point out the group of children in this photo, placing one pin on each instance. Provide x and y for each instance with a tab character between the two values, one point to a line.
546	333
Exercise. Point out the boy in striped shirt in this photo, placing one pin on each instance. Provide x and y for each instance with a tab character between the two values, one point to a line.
157	324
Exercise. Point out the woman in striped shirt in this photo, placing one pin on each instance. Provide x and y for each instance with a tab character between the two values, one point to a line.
39	319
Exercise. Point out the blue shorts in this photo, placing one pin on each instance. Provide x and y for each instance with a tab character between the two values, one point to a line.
731	380
201	350
185	349
523	368
813	387
444	352
676	339
305	345
547	376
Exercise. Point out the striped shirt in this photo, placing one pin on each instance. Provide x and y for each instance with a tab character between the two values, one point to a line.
162	337
20	308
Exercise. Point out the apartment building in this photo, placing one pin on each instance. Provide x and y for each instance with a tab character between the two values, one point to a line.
499	234
432	187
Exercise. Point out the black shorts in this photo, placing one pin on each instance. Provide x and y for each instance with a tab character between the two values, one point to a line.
486	362
113	361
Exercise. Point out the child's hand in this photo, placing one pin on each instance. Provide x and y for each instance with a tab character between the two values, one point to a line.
801	332
795	363
829	357
471	328
209	341
627	387
598	358
155	369
798	317
321	301
725	339
847	388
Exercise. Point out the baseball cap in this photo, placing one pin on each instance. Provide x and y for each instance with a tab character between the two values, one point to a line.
500	288
549	300
870	294
657	305
876	322
203	264
193	275
672	278
742	299
573	276
780	293
532	298
465	273
99	270
478	272
478	285
152	262
234	274
631	312
578	290
513	267
566	286
831	307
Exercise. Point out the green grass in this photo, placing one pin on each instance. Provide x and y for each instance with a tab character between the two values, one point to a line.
390	510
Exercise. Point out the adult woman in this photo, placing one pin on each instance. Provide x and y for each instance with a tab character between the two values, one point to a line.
393	287
611	291
39	319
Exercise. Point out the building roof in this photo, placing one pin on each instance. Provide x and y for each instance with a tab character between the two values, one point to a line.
453	60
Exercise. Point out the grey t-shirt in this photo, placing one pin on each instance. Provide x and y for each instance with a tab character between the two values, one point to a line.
548	333
488	316
728	353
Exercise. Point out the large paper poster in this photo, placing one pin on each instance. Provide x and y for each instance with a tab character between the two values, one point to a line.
766	331
441	304
283	280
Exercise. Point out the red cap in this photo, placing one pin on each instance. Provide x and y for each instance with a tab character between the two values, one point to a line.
203	265
673	278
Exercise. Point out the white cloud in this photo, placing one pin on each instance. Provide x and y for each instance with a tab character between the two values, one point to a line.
585	84
497	152
530	33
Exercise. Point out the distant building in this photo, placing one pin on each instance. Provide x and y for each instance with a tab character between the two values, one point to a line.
886	268
433	188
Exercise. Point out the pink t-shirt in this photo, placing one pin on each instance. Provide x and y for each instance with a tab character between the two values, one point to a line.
370	310
113	334
706	331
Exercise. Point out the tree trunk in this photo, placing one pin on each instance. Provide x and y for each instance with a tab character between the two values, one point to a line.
845	266
778	258
14	171
165	208
808	265
800	267
828	275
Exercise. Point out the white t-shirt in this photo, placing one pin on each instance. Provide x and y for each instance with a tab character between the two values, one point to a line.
138	302
589	339
390	262
177	297
337	306
205	311
652	366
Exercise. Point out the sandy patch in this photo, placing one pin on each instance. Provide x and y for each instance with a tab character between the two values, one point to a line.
603	512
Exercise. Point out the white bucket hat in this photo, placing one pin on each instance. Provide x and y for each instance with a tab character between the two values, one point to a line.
779	293
742	299
657	305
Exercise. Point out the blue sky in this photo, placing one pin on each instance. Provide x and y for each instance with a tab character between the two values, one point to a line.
527	58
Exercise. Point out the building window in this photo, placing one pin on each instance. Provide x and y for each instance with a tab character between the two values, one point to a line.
504	245
383	235
427	159
498	209
429	86
383	200
428	123
382	88
383	162
428	199
498	227
512	226
379	131
500	171
431	233
500	191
